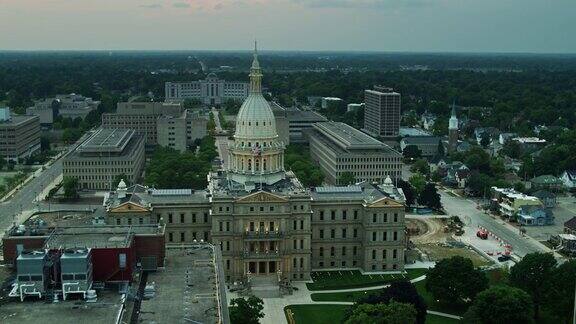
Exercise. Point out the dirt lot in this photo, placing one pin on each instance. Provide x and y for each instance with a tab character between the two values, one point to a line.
435	244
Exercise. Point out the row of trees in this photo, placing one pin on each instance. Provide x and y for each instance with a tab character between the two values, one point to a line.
536	282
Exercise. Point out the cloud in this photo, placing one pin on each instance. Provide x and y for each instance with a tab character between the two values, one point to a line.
374	4
181	5
151	6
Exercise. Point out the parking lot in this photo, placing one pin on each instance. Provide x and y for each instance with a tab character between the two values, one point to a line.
565	210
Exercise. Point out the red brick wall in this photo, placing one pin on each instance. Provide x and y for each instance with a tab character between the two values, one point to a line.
29	242
150	246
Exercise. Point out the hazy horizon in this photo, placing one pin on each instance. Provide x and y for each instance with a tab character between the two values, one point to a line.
373	26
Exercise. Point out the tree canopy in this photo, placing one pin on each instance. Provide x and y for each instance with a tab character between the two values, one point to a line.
246	311
392	313
501	304
455	280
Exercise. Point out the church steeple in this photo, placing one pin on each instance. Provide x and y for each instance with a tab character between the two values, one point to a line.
255	73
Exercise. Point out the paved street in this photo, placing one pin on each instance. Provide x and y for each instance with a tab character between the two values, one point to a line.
26	198
473	218
221	140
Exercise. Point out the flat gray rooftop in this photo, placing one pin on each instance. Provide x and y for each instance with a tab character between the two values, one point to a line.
97	236
107	140
186	289
347	137
105	310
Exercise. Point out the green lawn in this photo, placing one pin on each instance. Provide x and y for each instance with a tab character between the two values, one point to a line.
327	280
333	314
317	314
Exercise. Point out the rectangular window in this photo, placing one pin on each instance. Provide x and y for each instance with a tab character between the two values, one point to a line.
343	250
355	214
333	214
221	226
373	254
140	220
194	218
295	244
321	215
117	221
294	226
301	244
227	226
182	218
321	233
344	214
385	236
394	254
343	233
301	224
385	217
355	233
205	217
170	237
332	233
182	234
170	218
395	236
355	250
373	236
205	236
373	218
395	217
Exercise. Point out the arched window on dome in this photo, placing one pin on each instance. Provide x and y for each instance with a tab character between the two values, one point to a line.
249	124
249	164
257	165
249	144
242	164
264	167
256	123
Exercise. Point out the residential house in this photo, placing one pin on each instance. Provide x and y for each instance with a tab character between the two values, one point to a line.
463	147
508	201
548	182
480	132
570	226
428	120
532	215
568	178
548	198
505	137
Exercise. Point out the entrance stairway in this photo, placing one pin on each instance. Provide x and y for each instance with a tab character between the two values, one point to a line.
265	286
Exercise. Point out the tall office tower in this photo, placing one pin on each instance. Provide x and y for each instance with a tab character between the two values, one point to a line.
382	112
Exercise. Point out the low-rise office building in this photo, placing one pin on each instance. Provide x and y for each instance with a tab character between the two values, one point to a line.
141	117
19	135
211	91
340	148
67	106
180	132
428	145
291	123
108	153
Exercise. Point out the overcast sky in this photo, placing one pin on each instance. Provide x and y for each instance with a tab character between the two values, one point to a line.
538	26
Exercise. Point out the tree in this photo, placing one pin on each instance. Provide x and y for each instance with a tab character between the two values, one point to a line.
411	152
455	280
246	311
408	192
512	149
485	140
70	186
44	143
347	178
418	182
392	313
533	274
421	166
561	301
441	151
501	304
430	197
399	291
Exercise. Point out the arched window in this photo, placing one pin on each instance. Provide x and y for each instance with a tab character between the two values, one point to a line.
264	165
257	165
242	164
249	164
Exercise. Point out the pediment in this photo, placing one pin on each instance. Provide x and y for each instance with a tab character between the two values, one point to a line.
385	202
129	207
262	196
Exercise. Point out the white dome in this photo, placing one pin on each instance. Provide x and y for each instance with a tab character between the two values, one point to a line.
122	185
255	119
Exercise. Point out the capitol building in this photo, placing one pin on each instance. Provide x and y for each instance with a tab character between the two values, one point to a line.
267	224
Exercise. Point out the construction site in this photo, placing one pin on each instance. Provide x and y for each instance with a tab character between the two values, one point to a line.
440	237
